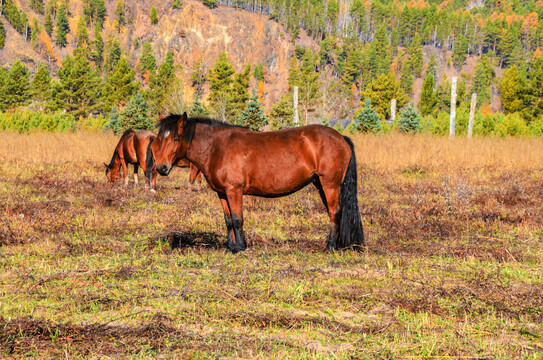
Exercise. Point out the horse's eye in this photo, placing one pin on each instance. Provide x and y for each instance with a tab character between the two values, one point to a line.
176	139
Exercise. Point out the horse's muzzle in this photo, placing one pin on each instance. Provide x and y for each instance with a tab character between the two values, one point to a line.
163	170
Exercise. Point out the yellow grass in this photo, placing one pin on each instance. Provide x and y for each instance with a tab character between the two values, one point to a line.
382	152
50	148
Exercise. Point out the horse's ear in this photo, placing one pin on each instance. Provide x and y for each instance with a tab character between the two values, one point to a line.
182	122
106	165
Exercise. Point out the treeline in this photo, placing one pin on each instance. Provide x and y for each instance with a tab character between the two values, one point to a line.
370	53
510	29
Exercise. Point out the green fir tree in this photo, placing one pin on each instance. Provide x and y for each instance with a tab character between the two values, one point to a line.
120	18
281	114
16	86
253	115
197	108
367	121
409	121
428	100
120	85
147	61
41	86
153	15
62	27
135	115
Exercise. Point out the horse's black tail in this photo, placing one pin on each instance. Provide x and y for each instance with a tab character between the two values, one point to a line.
351	234
149	162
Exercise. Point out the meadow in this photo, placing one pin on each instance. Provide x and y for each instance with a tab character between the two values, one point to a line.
452	268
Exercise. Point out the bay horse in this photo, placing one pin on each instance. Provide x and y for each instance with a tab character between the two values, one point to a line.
132	149
194	173
237	161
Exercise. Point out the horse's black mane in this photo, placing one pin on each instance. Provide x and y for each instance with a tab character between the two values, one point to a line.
169	123
112	162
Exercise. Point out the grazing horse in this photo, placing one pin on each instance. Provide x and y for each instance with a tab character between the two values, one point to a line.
237	161
132	149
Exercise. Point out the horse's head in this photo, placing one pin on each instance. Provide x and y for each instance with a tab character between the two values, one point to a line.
112	174
171	143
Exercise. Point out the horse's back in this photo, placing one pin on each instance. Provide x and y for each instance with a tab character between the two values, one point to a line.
277	163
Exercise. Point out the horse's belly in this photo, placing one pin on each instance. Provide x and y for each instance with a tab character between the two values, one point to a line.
275	184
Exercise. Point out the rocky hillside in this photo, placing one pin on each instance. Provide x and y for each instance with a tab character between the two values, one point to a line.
191	32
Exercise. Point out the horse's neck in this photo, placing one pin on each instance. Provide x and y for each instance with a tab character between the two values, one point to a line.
116	159
199	149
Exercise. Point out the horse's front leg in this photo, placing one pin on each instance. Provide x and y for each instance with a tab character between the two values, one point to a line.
235	200
125	172
228	221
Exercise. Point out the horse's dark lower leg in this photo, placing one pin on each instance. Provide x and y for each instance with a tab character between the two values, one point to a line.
333	235
331	200
239	233
235	201
229	222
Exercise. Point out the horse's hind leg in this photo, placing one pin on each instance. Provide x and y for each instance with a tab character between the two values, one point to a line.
331	201
235	200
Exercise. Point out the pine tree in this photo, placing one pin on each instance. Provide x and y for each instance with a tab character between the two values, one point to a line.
153	15
220	81
484	73
112	53
113	123
82	33
415	55
212	4
37	6
460	51
48	22
532	93
120	85
381	91
253	115
135	115
259	72
409	121
95	12
198	76
16	87
240	90
351	67
62	27
177	4
41	86
120	19
97	53
147	61
79	88
197	108
304	76
510	89
34	32
510	47
160	83
406	79
281	113
367	121
428	100
2	35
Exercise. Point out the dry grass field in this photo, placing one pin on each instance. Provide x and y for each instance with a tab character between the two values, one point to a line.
452	269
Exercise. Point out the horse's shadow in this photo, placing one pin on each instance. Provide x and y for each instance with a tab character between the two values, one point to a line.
181	240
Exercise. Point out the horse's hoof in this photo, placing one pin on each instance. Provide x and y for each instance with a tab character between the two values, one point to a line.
153	191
